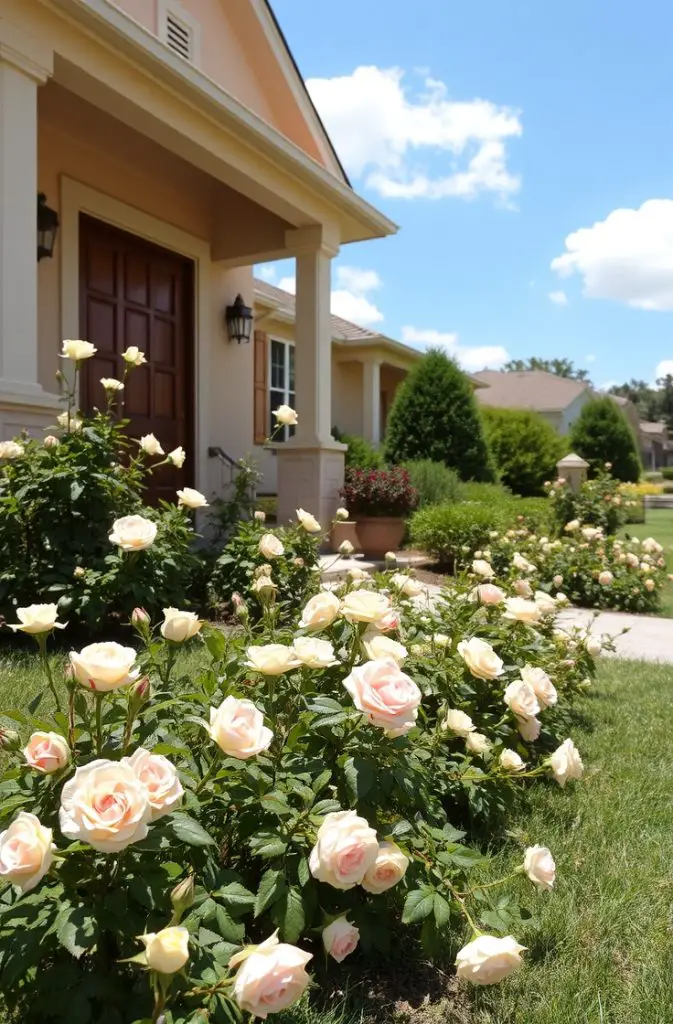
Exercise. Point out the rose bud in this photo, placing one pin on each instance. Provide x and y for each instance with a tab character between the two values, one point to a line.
182	896
139	618
140	691
9	739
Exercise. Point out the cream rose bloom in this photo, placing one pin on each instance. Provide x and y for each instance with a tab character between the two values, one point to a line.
346	848
406	585
308	522
541	685
272	659
488	593
314	653
517	609
73	423
521	563
650	585
260	516
11	450
591	532
365	606
529	729
386	695
477	743
105	805
340	939
521	700
179	626
566	763
342	514
77	350
488	959
573	525
112	384
104	666
539	865
377	645
558	581
271	978
594	646
177	457
511	761
47	752
286	416
388	869
36	619
26	851
320	611
167	951
651	546
237	727
150	445
133	533
346	548
191	498
605	578
160	779
523	588
133	356
480	658
458	722
482	568
545	602
271	546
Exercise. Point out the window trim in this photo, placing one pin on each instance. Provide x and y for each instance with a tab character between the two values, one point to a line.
168	8
283	435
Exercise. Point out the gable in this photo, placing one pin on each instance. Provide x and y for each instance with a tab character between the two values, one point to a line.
241	47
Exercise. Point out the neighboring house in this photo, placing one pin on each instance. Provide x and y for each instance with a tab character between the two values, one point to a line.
558	399
656	445
177	144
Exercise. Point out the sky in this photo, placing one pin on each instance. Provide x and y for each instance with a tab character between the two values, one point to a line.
525	149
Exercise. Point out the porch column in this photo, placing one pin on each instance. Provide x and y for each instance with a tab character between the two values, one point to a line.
311	465
371	401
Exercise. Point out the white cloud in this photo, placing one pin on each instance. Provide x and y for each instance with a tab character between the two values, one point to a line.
417	145
471	359
628	257
266	271
350	298
663	368
558	298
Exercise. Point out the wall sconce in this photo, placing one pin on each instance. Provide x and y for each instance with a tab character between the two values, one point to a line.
239	318
47	227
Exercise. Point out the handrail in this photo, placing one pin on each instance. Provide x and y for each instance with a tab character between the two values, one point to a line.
215	452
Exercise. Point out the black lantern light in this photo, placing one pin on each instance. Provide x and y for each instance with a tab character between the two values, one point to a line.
239	321
47	226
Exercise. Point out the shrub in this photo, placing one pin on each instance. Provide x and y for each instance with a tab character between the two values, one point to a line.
435	483
379	492
487	494
666	473
601	434
434	416
525	448
599	502
361	453
444	530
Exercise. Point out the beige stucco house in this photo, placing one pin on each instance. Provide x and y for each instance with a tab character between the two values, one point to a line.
558	399
177	143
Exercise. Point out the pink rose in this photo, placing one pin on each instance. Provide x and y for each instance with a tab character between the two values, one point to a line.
47	752
488	593
160	779
383	692
340	939
346	848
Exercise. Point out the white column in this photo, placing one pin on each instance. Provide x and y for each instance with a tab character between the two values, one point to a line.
25	63
313	338
371	401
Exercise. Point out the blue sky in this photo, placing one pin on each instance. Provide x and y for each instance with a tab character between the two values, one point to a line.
502	135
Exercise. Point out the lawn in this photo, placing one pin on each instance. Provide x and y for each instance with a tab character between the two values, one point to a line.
658	524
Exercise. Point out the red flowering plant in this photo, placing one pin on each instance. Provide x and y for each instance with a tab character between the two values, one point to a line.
379	492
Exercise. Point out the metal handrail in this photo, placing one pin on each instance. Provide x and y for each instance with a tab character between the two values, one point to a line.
215	452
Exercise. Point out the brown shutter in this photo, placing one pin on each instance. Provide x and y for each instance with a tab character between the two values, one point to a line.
261	387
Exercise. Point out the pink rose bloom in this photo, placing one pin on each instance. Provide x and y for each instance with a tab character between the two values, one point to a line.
340	939
488	593
346	848
160	779
47	752
385	694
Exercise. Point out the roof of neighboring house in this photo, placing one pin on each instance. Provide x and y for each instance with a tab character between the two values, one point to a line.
529	389
649	427
342	330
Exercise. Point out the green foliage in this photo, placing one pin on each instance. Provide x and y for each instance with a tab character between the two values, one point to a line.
559	367
602	434
525	448
666	472
226	513
653	402
435	483
494	495
434	416
444	530
599	502
361	453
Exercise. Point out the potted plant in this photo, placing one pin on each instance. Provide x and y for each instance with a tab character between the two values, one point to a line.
379	500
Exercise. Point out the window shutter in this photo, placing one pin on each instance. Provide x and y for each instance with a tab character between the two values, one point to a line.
261	387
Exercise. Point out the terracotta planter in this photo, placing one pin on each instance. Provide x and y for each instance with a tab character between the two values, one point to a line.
342	531
380	534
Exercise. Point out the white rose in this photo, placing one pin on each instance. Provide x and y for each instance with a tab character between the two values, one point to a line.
377	645
167	951
272	659
260	516
477	743
308	522
458	722
651	546
365	606
521	699
320	611
78	350
488	959
160	779
357	574
488	593
441	640
482	568
314	653
271	546
650	585
561	599
26	851
591	532
539	865
566	763
11	450
133	356
594	646
51	442
105	805
511	762
529	729
286	416
521	563
406	584
386	695
558	581
519	610
47	752
541	685
388	869
72	423
191	498
545	602
573	525
150	445
271	978
340	939
522	588
179	626
104	666
480	658
605	578
346	848
237	727
36	619
112	384
133	533
346	548
177	457
342	514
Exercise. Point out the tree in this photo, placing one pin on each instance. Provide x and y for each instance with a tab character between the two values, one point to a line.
559	367
601	434
525	448
435	416
646	399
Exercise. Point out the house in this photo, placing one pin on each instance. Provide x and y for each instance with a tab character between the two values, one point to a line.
655	444
177	145
558	399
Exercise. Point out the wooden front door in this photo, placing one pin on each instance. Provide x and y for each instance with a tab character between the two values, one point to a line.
134	293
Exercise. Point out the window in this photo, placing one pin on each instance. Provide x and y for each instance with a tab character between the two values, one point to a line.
281	384
179	30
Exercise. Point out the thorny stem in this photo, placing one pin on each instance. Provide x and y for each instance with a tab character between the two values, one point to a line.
42	644
468	917
214	764
71	718
98	697
489	885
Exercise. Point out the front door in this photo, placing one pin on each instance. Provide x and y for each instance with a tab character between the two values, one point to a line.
134	293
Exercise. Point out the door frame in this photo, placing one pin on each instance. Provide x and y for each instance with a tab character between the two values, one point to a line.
77	198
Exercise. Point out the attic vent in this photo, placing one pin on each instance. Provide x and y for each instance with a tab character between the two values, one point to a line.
179	30
179	37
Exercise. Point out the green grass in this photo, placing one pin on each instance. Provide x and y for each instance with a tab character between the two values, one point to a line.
658	524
